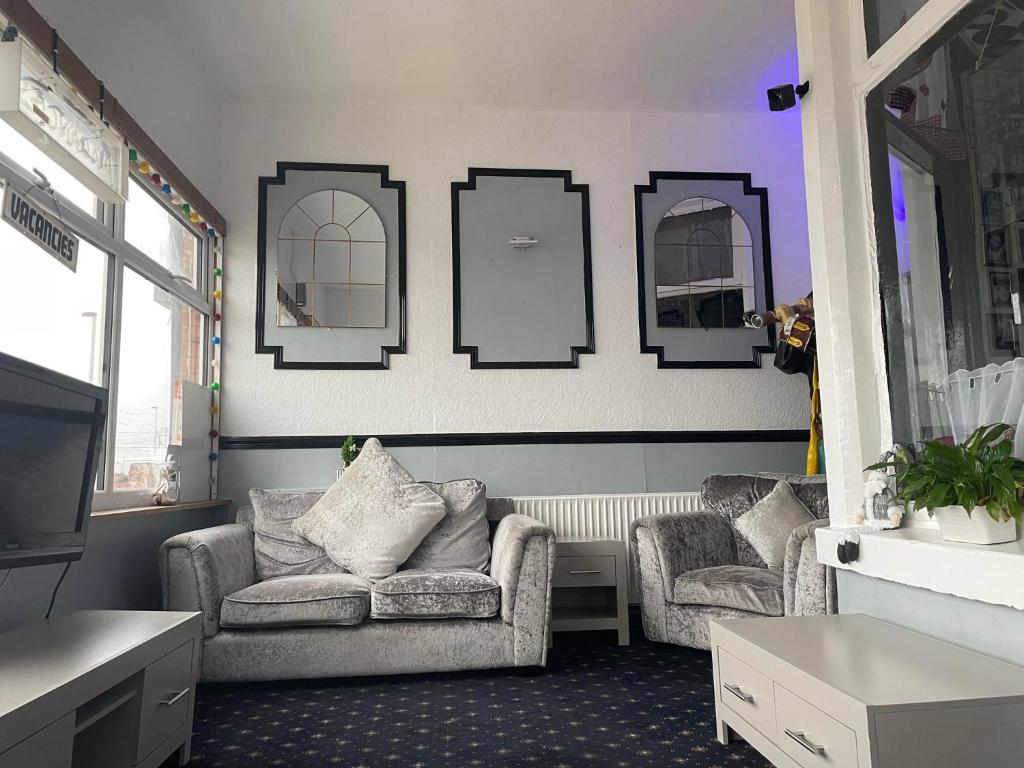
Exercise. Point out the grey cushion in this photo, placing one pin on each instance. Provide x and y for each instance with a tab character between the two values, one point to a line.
769	523
293	601
461	539
743	587
373	517
436	594
280	551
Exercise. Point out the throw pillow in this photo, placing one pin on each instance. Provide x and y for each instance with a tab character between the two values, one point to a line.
769	523
460	540
373	517
279	550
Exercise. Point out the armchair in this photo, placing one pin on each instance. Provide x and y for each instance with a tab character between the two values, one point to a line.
696	566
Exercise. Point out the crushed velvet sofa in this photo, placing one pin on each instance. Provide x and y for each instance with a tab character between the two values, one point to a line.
696	566
314	626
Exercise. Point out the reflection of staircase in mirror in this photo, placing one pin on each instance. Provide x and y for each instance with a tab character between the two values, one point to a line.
290	306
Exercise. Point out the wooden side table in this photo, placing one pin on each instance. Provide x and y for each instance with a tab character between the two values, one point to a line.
588	590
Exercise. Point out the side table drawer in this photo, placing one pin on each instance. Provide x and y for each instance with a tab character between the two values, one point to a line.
166	698
811	737
747	692
584	571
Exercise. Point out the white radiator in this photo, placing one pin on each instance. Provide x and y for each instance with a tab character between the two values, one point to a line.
604	517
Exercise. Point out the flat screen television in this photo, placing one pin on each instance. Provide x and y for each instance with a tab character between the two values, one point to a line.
51	427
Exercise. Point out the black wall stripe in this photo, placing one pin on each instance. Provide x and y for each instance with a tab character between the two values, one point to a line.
430	440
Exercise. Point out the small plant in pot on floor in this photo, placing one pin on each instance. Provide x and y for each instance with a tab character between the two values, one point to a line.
972	488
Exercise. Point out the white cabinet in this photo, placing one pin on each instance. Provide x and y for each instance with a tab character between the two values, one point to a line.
851	691
99	688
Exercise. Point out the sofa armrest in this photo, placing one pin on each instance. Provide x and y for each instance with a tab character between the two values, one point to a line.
199	568
809	588
523	562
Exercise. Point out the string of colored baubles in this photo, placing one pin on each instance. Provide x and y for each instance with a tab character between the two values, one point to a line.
216	255
177	200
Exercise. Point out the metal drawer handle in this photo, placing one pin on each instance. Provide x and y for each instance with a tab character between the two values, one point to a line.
803	741
581	573
174	699
736	691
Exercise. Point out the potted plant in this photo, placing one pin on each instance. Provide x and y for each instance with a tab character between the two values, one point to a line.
349	452
971	488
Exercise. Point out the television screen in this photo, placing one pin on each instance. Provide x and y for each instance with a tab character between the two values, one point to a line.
50	431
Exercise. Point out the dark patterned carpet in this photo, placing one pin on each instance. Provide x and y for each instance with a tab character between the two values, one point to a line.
595	705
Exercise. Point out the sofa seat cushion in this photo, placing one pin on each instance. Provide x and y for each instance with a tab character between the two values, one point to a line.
436	593
743	587
298	601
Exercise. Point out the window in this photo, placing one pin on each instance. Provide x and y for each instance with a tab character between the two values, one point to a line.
883	18
162	353
50	315
161	235
27	156
946	136
133	317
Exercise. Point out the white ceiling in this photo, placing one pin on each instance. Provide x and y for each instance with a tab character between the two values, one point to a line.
673	55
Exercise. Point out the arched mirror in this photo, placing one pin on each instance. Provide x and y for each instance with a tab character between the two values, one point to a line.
331	263
703	259
703	265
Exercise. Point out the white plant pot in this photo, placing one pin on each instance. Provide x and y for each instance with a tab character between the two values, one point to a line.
976	528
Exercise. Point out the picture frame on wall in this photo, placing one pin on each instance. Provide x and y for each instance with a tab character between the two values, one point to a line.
1000	290
1003	335
330	266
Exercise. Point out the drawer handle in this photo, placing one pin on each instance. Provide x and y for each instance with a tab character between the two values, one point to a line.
736	691
174	699
803	741
581	573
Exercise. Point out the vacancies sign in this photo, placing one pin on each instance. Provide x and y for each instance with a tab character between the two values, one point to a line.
50	234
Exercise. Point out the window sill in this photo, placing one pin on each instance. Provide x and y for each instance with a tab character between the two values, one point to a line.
185	506
920	557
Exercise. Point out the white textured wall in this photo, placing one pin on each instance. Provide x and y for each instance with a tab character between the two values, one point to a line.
431	390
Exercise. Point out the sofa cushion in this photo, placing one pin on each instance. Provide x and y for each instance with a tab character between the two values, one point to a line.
279	550
373	517
447	593
294	601
769	523
743	587
461	539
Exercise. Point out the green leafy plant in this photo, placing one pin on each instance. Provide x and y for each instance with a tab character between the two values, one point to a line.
349	451
979	472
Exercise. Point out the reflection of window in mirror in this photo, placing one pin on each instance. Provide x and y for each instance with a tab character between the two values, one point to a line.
947	166
703	265
331	263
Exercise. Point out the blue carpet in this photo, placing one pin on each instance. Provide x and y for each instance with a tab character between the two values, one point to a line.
596	705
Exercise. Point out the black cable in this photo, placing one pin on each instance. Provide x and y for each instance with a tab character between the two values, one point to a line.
7	574
60	581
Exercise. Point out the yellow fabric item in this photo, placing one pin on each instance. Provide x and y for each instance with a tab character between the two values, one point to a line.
812	446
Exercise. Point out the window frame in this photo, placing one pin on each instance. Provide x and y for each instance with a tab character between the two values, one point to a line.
833	54
106	232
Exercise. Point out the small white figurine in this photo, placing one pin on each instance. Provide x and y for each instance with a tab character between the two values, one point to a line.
881	510
168	489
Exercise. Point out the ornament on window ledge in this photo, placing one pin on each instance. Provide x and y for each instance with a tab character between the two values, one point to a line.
881	509
168	489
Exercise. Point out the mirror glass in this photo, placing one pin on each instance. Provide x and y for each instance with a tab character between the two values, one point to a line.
331	263
703	265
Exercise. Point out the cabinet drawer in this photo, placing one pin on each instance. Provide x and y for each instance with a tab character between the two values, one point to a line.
166	698
747	692
584	571
811	737
50	747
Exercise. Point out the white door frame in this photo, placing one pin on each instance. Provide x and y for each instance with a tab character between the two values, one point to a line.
832	48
